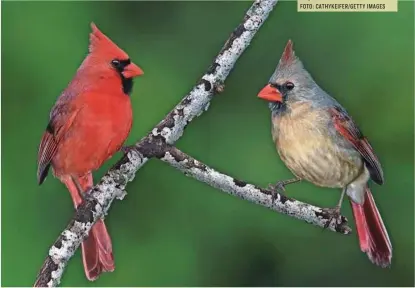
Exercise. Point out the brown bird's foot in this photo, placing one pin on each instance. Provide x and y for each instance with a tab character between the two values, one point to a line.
333	214
126	149
220	87
279	187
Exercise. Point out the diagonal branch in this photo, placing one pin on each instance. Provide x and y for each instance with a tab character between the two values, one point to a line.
283	204
169	130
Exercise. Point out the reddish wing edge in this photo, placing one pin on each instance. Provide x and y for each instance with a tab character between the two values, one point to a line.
348	129
47	150
61	121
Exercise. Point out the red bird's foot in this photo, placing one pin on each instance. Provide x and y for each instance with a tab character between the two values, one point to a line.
82	193
279	187
332	214
86	196
126	149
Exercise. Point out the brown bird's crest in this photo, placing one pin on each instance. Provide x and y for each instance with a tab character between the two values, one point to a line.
98	42
288	56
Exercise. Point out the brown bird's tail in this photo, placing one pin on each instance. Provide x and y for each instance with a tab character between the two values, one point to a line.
97	248
373	237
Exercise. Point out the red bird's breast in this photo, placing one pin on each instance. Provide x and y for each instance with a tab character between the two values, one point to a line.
100	127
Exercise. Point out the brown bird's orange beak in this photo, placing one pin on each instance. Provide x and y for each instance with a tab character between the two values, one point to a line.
132	70
270	93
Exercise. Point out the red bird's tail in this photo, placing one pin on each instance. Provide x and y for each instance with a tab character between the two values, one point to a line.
97	248
373	237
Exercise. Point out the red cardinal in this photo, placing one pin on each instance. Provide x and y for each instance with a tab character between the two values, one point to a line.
319	142
89	123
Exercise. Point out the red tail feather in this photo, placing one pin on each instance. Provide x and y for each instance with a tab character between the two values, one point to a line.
97	248
373	237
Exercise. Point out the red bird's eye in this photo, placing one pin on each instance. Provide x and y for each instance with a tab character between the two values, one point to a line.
115	63
289	85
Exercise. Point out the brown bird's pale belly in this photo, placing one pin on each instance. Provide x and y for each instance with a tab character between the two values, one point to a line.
306	148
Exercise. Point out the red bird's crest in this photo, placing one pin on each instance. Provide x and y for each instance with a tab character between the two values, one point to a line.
288	56
99	43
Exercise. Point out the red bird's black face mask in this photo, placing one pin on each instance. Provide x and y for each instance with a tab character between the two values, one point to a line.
127	71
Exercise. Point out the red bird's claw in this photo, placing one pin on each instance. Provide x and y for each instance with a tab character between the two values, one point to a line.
84	195
126	149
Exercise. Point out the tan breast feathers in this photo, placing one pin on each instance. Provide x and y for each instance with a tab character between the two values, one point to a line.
305	147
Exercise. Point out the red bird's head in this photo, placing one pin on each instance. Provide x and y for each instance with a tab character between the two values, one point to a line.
107	59
289	83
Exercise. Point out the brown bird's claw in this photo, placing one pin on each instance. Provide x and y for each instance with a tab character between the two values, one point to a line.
277	188
220	87
126	149
333	213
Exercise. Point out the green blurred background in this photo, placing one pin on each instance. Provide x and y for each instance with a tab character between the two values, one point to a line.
172	230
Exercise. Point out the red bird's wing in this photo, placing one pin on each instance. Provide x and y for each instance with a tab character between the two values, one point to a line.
47	150
62	118
348	129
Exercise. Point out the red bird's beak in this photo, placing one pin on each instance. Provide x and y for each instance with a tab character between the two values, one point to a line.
132	71
270	93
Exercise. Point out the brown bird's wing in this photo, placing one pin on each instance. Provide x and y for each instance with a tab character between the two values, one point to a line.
349	130
62	117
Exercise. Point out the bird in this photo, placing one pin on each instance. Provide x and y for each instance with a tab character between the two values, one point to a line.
319	142
88	124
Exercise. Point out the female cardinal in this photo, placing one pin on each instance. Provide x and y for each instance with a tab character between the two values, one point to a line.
319	142
89	123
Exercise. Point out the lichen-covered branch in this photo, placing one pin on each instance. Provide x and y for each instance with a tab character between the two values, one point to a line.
300	210
197	101
168	131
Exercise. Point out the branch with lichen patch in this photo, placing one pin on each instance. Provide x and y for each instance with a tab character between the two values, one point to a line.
283	204
168	131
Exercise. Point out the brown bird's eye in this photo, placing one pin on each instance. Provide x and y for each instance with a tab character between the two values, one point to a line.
289	85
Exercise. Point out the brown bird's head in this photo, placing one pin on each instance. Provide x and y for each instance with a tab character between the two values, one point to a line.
107	60
289	83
